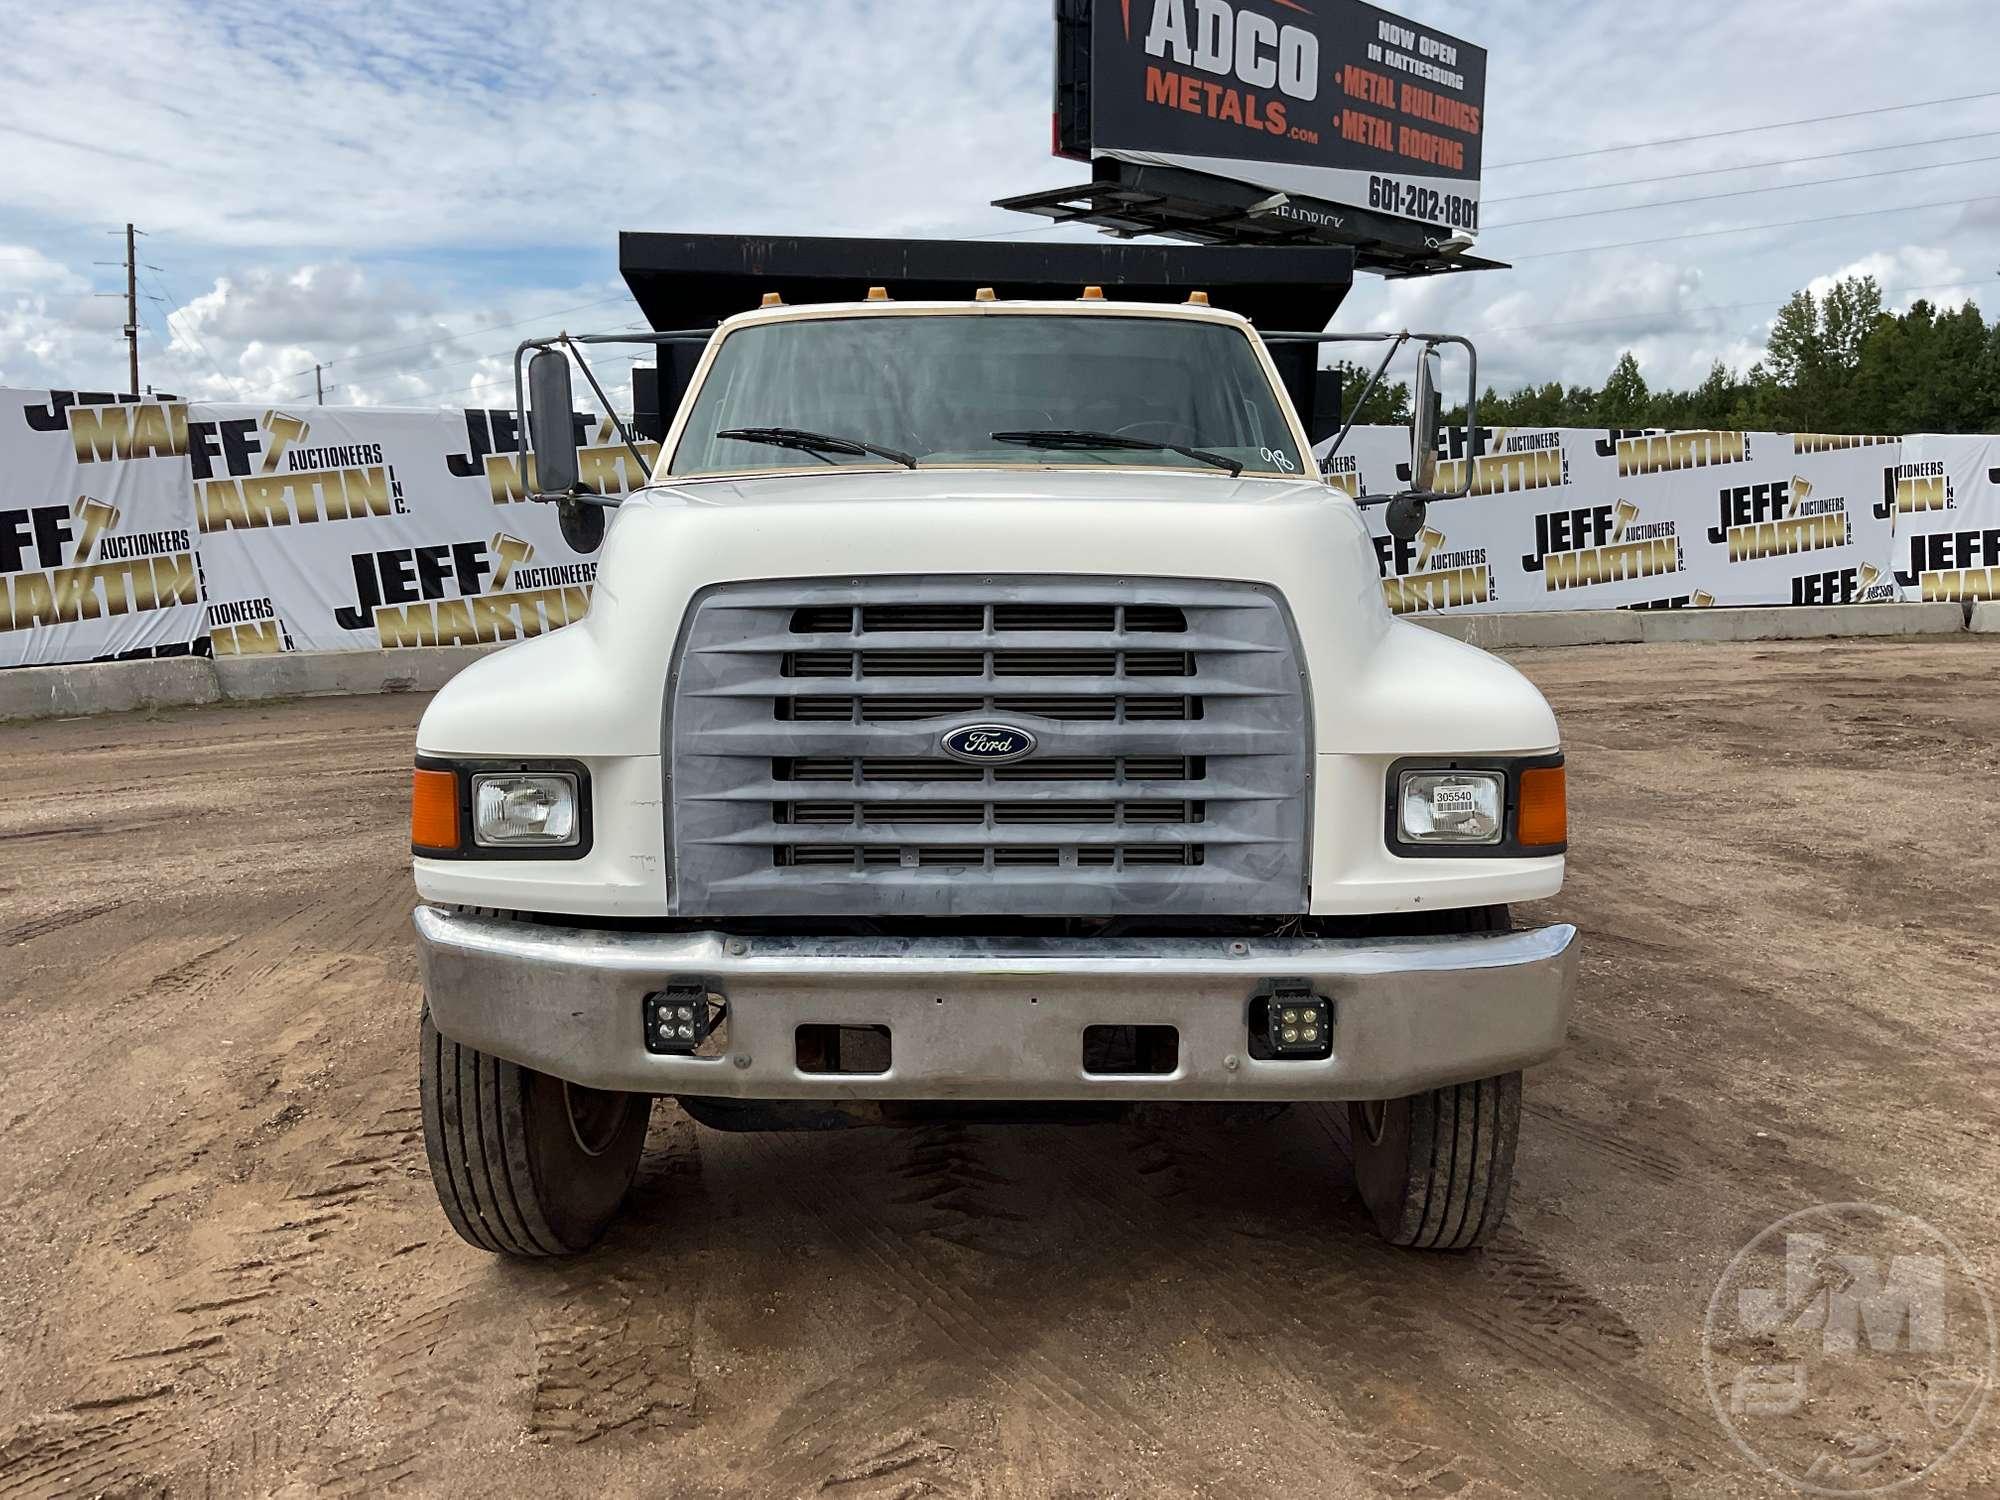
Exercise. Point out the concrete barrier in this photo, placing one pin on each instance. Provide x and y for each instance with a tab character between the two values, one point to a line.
184	681
320	674
107	687
1800	622
1985	617
1558	627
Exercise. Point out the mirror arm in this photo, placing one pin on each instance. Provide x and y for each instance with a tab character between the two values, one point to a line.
623	431
1396	342
686	336
1471	410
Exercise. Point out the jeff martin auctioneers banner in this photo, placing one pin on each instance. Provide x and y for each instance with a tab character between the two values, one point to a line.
1575	518
155	527
159	527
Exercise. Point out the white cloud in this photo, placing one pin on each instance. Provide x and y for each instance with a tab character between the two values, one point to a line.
256	336
1905	275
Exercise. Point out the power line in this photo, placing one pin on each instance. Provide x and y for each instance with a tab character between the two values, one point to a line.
186	329
1713	135
1001	234
506	381
502	351
1776	187
1702	234
362	355
1785	161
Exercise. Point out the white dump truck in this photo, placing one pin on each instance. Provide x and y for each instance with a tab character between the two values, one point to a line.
987	703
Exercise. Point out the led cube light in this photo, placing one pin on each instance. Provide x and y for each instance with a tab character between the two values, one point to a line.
1451	807
678	1018
1298	1023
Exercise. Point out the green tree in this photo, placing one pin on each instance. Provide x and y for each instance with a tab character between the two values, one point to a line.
1387	404
1624	400
1713	402
1833	363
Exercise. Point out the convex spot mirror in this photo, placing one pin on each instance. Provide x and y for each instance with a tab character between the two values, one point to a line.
581	523
550	427
1404	517
1424	425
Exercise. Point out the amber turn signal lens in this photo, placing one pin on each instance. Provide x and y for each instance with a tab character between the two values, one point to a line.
434	810
1543	819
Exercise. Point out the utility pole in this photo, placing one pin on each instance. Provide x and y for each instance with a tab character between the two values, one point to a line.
319	390
132	306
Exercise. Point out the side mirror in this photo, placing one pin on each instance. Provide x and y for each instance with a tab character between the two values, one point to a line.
551	427
1424	426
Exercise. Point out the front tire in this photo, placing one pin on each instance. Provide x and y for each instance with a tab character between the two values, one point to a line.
1435	1169
524	1163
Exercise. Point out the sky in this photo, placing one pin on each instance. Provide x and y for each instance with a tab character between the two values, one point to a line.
400	190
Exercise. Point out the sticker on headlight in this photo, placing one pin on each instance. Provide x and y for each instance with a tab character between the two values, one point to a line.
1450	800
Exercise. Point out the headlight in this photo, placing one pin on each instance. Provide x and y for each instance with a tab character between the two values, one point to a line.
1451	807
522	808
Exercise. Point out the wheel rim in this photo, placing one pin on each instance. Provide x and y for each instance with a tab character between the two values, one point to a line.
1374	1119
594	1117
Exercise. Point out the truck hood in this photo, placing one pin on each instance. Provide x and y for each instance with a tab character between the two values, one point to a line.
598	687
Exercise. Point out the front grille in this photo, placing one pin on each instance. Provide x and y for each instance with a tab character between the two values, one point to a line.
807	774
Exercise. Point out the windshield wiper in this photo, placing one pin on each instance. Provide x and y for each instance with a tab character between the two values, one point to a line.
1073	437
817	443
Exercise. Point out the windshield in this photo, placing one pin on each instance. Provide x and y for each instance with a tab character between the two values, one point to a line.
938	387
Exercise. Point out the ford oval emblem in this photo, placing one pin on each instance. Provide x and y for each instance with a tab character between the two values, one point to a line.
988	744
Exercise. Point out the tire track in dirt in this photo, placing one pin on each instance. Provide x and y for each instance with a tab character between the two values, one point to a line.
611	1354
958	1193
92	1448
1555	1325
931	1185
1302	1292
56	921
1005	1351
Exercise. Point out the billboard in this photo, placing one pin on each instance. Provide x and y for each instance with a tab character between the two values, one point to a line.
1332	100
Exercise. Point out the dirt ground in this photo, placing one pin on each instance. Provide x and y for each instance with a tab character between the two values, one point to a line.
222	1270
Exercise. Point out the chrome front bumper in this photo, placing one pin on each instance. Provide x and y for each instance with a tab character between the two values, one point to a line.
998	1018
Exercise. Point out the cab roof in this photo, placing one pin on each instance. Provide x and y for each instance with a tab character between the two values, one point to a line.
1100	306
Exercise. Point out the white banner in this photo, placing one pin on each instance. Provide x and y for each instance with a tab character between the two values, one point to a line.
1576	518
141	528
1944	495
97	555
335	529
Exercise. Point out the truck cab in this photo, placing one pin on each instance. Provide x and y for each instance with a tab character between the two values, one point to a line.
987	703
